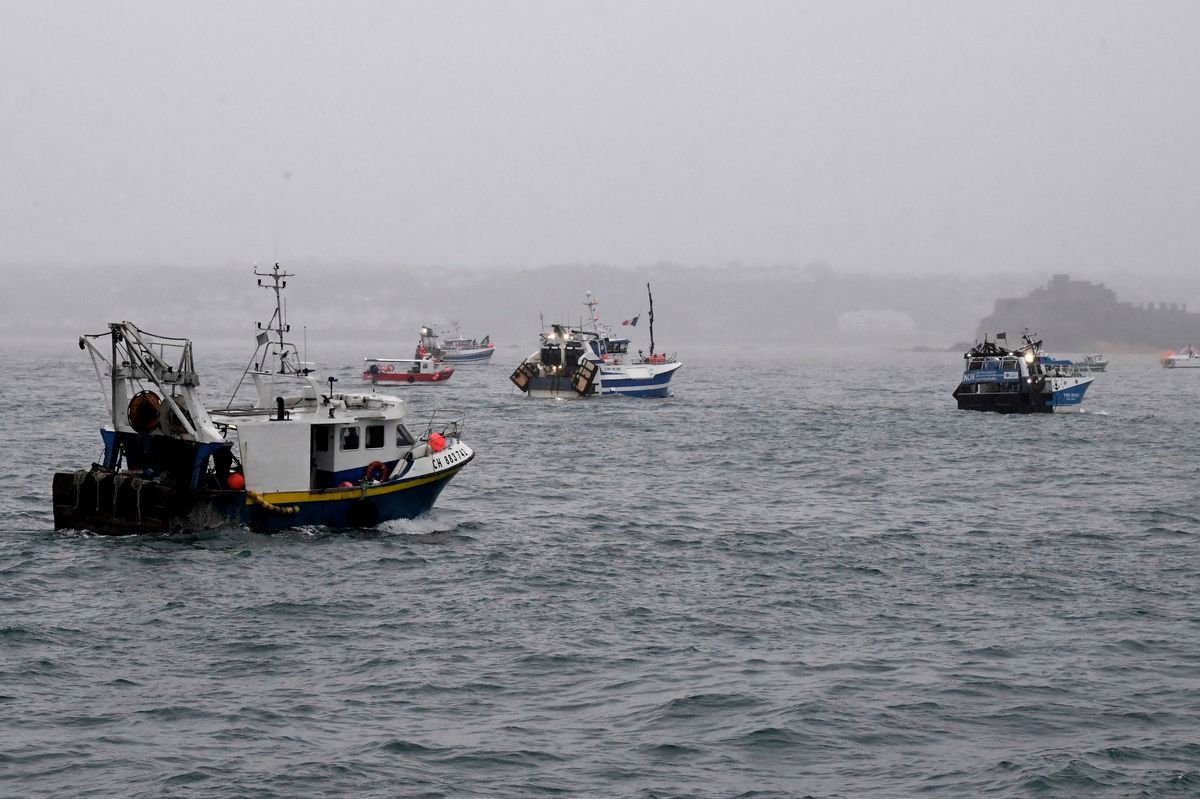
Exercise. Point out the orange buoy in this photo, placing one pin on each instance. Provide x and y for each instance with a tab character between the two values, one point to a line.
235	481
437	442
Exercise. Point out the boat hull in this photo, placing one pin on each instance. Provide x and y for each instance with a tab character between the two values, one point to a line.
638	380
557	386
1060	395
407	378
108	503
468	356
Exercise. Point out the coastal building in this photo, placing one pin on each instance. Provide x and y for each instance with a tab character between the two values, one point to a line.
1078	315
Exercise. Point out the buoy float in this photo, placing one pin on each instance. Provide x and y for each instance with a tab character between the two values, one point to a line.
262	503
437	442
235	482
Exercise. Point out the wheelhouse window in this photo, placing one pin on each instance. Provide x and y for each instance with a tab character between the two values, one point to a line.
975	365
349	438
403	437
375	436
1010	363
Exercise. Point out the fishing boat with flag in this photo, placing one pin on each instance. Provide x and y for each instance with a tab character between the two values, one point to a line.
299	453
588	360
1020	380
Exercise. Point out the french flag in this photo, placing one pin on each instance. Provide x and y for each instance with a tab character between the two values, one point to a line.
632	322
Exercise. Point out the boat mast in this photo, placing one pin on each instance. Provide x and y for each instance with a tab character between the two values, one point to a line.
651	296
278	324
591	304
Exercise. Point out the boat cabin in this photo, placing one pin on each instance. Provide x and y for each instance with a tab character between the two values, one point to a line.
338	450
994	374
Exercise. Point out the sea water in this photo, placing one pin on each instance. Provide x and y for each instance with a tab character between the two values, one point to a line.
802	575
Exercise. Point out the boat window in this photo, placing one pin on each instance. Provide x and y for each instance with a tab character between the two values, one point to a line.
976	364
374	436
403	437
1010	363
349	438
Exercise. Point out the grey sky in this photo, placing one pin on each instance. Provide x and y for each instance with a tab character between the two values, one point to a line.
877	136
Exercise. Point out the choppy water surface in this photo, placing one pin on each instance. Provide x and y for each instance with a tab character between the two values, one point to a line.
815	578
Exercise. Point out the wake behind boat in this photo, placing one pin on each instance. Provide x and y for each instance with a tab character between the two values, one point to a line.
589	361
301	453
1021	380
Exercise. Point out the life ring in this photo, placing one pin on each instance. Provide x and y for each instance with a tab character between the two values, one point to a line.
143	412
376	471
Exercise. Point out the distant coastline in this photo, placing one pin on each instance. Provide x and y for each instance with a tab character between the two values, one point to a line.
1078	315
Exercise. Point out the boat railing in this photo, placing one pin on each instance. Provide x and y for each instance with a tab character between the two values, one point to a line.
447	422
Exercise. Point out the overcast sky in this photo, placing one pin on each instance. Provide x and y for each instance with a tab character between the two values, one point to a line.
875	136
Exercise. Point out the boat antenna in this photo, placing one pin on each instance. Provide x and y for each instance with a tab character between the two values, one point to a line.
278	324
651	296
591	304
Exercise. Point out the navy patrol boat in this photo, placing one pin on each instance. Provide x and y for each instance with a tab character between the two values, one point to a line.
300	453
1021	380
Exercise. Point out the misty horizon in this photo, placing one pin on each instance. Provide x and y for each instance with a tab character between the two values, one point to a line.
912	139
379	309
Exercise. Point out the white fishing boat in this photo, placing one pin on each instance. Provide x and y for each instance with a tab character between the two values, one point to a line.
1094	362
587	361
1186	358
299	453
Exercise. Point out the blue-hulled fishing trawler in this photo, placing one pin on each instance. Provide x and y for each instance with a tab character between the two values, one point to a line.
299	453
1021	380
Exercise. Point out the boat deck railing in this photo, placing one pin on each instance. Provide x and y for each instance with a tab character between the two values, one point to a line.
448	422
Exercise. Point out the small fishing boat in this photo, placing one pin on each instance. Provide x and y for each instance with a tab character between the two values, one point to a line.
460	349
1094	362
406	371
300	453
1186	358
1021	380
426	365
590	361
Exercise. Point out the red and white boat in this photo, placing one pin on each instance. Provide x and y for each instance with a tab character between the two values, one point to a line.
405	371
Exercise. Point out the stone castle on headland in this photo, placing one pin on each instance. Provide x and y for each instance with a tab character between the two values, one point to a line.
1077	316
